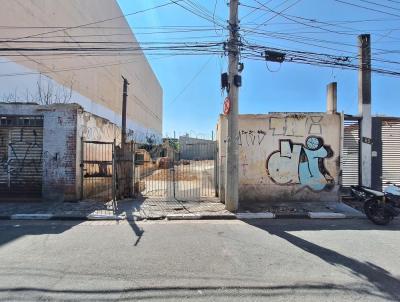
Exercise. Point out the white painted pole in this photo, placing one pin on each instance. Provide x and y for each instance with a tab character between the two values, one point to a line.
364	107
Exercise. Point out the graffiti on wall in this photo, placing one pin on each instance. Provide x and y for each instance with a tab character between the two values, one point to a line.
250	137
21	156
296	125
293	126
301	164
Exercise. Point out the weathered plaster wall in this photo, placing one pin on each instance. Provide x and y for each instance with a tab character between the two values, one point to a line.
59	152
285	157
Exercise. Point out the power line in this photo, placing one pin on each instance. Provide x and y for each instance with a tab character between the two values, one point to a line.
95	22
312	58
191	81
278	13
254	10
368	8
199	14
380	4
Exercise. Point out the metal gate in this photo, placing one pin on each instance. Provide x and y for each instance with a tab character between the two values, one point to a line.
176	169
21	154
350	158
97	170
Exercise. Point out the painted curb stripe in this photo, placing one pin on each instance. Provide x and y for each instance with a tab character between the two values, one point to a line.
31	216
104	217
325	215
266	215
183	217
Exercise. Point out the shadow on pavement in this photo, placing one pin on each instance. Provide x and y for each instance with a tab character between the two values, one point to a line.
129	207
11	230
383	280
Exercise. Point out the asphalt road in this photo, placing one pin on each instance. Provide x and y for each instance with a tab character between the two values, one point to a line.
274	260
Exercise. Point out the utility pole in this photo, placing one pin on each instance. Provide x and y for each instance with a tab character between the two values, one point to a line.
124	165
124	98
364	107
232	154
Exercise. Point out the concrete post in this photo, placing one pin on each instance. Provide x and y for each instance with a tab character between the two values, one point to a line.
331	98
123	126
232	154
364	107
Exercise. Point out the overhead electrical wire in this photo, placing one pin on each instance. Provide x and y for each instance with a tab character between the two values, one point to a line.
278	13
190	82
380	5
255	52
368	8
95	22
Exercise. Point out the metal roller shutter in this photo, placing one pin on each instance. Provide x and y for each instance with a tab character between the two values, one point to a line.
350	158
21	152
390	152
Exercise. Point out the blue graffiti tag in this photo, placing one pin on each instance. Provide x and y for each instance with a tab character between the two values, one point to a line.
301	164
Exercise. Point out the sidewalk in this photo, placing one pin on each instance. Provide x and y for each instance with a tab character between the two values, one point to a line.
131	209
172	209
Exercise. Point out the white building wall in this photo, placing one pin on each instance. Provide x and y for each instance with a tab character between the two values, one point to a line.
96	80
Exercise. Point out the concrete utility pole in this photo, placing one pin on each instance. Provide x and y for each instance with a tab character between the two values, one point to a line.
124	98
232	154
364	107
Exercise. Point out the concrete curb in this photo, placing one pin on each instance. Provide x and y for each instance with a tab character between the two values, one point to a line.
31	216
105	217
265	215
292	216
326	215
240	216
183	217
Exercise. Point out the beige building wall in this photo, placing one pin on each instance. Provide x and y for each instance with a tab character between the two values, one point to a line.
96	79
285	157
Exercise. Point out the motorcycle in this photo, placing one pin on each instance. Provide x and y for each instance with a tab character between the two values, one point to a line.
379	207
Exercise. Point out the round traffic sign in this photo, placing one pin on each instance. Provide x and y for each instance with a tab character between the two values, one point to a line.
227	106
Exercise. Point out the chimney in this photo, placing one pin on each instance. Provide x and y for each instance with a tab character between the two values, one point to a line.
331	98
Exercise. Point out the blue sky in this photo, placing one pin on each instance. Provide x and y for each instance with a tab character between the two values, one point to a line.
192	96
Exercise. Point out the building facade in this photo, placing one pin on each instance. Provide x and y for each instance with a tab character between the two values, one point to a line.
91	79
42	151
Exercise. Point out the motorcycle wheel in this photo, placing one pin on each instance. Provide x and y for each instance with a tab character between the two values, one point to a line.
376	212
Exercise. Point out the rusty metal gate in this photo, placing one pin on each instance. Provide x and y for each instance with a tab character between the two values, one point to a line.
97	170
106	171
176	169
21	153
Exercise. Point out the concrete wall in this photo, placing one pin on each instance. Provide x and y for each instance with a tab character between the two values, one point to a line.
96	80
285	157
59	152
